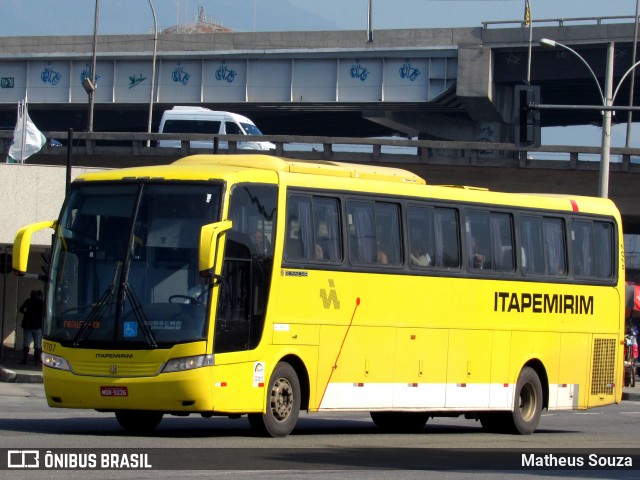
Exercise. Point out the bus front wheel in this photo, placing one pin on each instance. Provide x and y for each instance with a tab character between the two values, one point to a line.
283	404
138	421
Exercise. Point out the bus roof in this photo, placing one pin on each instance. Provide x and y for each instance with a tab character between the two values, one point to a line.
319	167
197	167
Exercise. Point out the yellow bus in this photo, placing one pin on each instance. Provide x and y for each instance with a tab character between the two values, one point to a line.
263	286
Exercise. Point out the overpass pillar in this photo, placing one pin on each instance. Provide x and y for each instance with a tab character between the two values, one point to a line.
487	104
486	113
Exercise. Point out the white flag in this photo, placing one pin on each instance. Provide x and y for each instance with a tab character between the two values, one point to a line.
27	139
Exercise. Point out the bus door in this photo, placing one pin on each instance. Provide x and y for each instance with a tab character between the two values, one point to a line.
246	272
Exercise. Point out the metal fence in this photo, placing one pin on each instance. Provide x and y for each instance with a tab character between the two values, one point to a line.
143	146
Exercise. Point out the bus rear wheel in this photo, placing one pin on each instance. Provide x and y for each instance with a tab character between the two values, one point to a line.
525	416
283	404
136	421
400	422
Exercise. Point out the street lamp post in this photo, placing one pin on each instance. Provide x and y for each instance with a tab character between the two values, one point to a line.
91	87
369	21
153	69
603	184
606	98
631	86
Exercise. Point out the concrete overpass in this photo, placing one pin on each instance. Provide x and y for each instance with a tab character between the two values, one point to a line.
449	83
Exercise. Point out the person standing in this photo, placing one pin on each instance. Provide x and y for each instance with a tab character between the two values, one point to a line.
32	310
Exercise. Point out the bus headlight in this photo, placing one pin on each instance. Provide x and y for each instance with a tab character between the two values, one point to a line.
54	361
188	363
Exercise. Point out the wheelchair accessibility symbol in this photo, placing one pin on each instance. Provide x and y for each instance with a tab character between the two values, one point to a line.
130	329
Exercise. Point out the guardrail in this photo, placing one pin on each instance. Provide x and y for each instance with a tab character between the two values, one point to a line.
105	148
561	22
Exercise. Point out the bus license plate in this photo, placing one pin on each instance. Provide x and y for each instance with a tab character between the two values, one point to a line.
114	391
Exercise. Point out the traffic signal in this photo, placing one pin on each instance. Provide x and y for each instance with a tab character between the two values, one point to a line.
526	119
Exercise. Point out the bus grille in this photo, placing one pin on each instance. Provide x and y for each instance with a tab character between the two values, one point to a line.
116	369
603	372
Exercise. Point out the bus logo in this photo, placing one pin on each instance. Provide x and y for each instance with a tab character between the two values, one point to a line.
331	298
23	459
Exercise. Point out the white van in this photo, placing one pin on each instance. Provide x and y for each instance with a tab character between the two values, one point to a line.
203	120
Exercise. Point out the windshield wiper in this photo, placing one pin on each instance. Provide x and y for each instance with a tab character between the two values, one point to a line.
103	304
141	318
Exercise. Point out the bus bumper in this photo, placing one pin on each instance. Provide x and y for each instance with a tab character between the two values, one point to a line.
187	391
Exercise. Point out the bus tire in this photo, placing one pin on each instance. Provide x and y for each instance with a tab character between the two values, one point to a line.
525	416
528	402
283	404
400	422
136	421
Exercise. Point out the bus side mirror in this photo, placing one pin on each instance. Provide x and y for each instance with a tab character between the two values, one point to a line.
22	245
209	236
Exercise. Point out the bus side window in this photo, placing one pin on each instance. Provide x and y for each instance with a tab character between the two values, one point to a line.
421	236
388	234
299	229
447	238
502	242
313	229
554	246
543	248
532	257
582	248
293	247
489	241
374	233
326	220
362	233
478	240
592	246
603	240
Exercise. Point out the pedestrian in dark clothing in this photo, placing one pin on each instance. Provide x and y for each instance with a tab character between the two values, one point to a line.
32	310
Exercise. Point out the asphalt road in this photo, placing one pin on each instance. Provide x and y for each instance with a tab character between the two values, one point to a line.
327	446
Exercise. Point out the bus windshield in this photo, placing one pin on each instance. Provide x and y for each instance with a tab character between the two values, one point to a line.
124	267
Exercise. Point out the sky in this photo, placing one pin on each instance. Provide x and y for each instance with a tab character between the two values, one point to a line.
76	17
